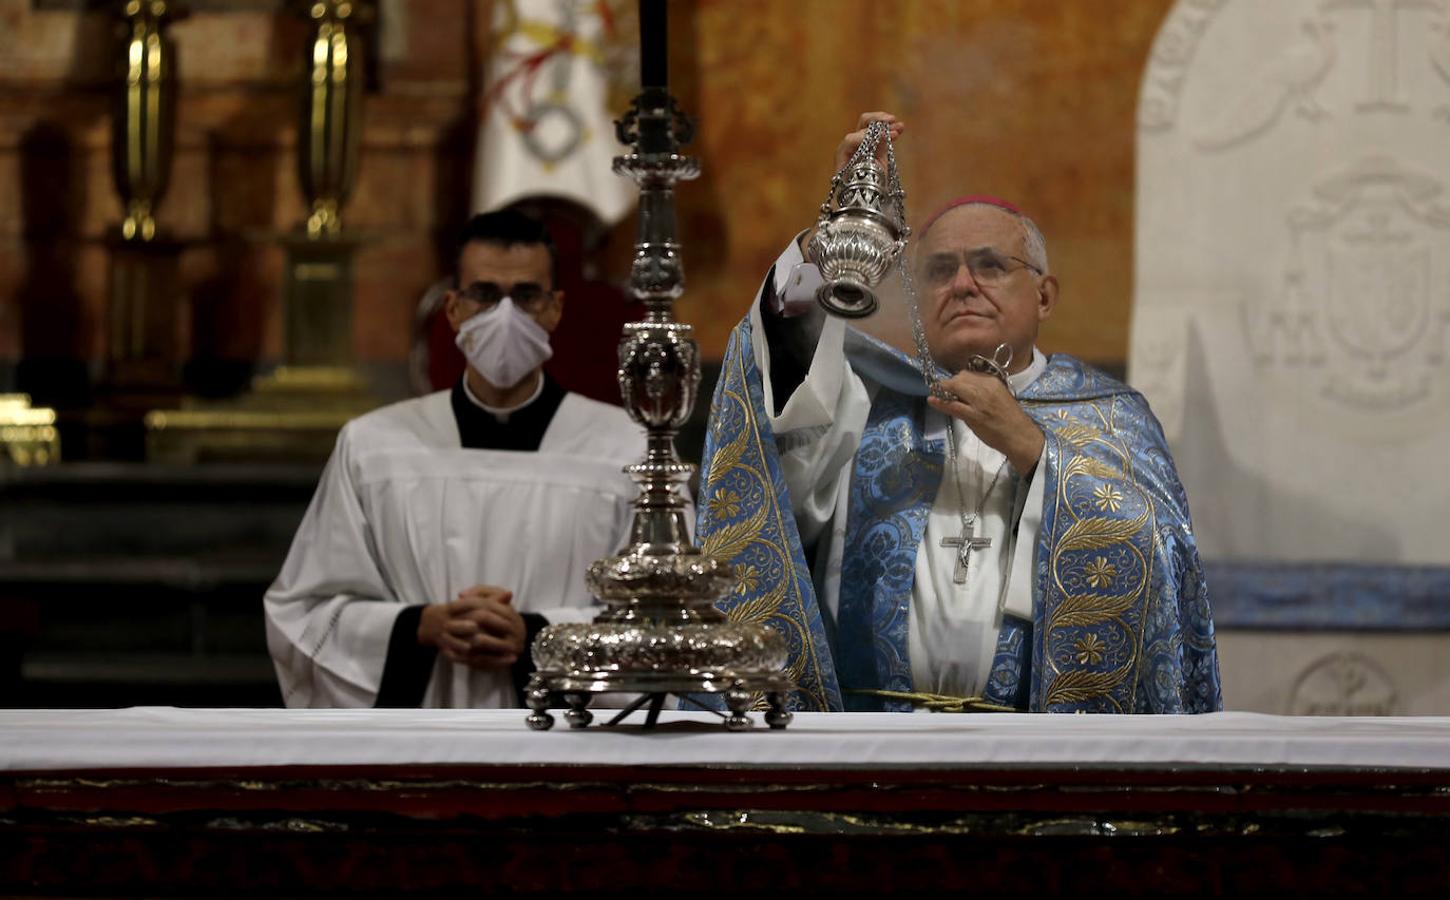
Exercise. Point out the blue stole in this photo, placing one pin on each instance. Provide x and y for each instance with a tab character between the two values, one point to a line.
893	486
1121	621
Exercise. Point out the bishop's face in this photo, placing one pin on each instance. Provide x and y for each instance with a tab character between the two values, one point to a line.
978	289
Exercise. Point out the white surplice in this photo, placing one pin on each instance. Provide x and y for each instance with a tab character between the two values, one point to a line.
953	627
405	515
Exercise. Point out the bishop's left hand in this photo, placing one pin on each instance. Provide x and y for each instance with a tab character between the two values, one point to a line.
987	406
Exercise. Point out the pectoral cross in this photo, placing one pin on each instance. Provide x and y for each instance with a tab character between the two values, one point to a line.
964	545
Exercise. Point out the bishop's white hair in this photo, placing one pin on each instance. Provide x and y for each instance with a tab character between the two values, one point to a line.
1035	242
1032	238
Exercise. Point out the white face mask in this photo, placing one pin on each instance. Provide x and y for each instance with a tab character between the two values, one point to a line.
504	343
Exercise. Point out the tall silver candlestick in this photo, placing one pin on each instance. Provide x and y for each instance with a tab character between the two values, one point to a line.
660	632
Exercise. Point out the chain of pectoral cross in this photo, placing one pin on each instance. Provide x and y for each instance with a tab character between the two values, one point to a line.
968	540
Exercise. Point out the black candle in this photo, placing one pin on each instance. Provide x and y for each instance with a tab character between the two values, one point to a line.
654	66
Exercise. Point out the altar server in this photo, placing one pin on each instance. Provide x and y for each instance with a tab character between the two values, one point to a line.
448	530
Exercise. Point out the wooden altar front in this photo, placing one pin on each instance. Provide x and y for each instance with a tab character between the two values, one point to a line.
442	802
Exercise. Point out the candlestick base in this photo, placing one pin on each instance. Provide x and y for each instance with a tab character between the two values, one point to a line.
576	690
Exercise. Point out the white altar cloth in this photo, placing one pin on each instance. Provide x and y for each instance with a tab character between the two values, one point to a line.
51	740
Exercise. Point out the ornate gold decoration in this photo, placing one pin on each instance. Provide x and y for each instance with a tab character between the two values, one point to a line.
1109	498
728	504
1099	532
293	413
946	703
758	610
1090	609
1077	434
27	434
1122	561
1100	572
1090	649
736	465
1079	685
1087	465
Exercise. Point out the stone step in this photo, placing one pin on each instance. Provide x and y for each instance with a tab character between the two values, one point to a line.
144	679
76	511
136	584
149	668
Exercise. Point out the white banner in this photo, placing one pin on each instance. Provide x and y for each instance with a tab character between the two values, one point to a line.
546	129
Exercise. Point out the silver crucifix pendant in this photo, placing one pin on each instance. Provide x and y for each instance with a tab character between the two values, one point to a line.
964	545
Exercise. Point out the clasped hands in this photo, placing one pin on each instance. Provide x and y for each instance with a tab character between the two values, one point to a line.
481	629
987	407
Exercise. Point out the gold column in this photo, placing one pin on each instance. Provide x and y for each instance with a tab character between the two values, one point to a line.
329	133
142	323
144	126
142	347
295	411
319	295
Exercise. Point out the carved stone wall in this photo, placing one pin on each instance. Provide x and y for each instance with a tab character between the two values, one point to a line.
1291	307
1335	674
1293	273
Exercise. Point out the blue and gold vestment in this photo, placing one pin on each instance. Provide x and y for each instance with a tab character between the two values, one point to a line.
1120	614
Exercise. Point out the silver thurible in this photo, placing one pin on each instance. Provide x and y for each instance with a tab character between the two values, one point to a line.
862	229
